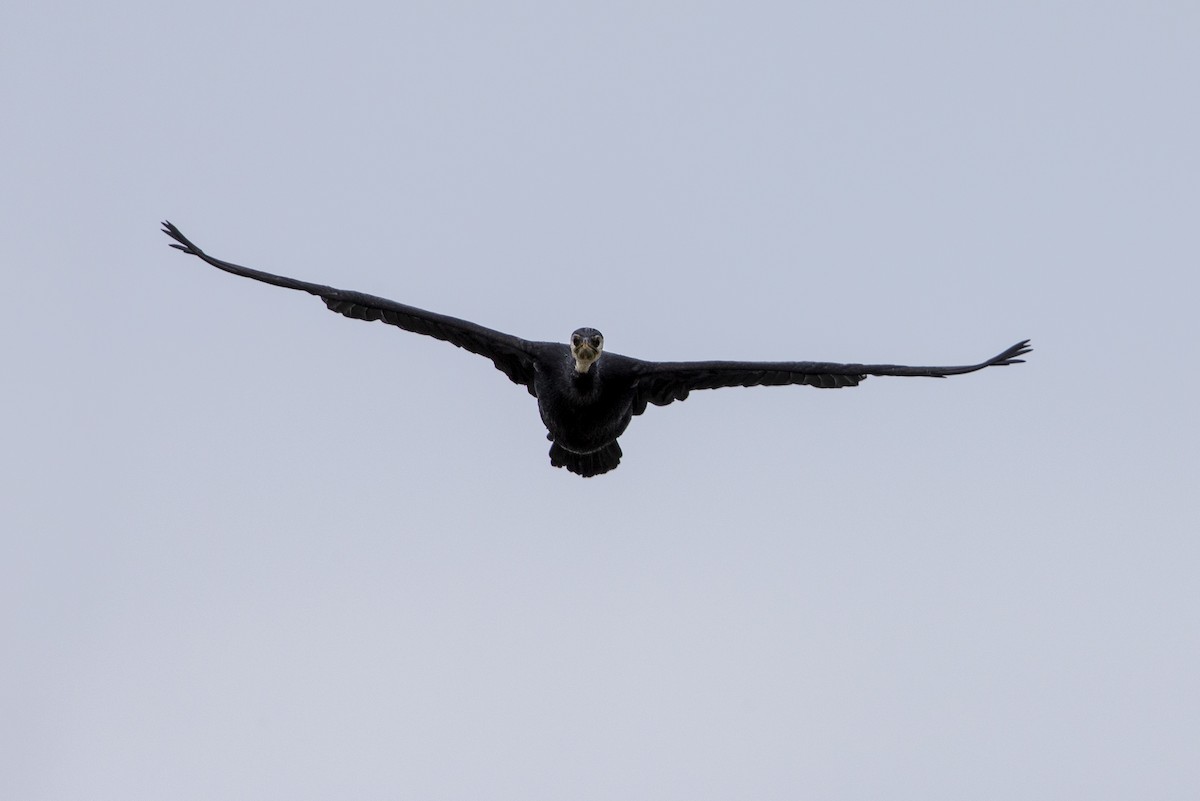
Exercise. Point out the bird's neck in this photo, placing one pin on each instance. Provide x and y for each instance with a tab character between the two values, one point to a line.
584	381
583	368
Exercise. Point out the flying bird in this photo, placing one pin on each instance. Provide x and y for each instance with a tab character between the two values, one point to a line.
587	396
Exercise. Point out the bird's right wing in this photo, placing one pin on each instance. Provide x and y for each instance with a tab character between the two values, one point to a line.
512	356
661	383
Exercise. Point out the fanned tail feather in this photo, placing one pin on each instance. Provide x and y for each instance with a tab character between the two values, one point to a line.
586	464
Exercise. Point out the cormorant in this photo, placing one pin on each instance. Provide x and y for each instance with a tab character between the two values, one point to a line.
586	401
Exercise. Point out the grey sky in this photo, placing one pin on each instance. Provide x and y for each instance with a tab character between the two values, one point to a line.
254	550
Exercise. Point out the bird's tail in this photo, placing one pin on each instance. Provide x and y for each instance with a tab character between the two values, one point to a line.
586	464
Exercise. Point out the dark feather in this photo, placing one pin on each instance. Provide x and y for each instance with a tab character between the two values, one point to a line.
512	356
661	383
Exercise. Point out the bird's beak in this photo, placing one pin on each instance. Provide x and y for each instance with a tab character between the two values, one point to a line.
585	356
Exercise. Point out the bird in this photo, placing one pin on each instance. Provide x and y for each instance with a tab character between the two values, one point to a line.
588	396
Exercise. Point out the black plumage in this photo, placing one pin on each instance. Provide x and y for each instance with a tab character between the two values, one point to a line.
587	397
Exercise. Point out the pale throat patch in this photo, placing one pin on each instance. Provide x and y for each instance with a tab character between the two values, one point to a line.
583	363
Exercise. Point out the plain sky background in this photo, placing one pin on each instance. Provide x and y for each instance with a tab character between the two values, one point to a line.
254	550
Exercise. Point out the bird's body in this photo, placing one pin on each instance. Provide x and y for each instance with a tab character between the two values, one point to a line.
586	396
584	411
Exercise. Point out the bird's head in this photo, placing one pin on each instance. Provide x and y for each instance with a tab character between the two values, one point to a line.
586	346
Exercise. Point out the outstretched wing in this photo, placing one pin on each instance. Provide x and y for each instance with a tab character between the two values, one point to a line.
512	355
665	382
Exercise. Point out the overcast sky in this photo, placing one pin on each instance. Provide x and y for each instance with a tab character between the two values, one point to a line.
254	550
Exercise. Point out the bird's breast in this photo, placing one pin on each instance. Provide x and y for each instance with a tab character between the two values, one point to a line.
583	415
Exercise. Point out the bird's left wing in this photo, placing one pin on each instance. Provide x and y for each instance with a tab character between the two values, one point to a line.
661	383
513	356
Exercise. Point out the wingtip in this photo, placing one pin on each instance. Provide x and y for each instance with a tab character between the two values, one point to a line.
1019	349
1010	356
181	242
